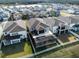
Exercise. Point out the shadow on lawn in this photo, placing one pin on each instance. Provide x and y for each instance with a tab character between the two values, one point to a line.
13	49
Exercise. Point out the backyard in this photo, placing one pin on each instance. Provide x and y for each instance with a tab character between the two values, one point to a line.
67	38
64	52
17	50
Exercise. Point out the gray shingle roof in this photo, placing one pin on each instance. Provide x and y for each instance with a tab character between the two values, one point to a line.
57	22
32	23
50	21
14	26
64	19
6	29
45	22
35	22
17	29
75	19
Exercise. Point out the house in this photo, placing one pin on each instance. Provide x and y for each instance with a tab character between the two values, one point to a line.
17	16
58	25
65	20
36	8
55	25
76	11
70	23
13	32
11	18
64	23
74	23
37	24
51	22
4	16
42	36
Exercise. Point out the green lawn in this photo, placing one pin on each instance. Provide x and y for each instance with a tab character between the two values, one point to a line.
17	50
69	52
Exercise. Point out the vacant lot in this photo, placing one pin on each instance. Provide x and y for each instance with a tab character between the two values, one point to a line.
72	51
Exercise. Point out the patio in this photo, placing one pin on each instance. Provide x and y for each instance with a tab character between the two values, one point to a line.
51	42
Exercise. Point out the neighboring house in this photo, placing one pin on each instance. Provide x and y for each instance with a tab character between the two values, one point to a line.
64	23
51	22
36	8
37	25
4	16
56	24
11	18
42	36
13	32
45	27
17	16
74	23
70	23
1	34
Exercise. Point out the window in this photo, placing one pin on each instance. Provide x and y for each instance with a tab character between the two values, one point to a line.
34	32
15	41
62	32
55	29
13	34
42	31
62	27
76	27
22	37
6	33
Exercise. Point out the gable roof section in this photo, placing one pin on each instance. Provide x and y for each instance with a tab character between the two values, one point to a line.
17	28
74	19
14	26
50	21
6	24
32	23
57	22
36	23
64	19
41	26
6	29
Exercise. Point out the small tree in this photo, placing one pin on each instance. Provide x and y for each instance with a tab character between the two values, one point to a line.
53	13
11	18
25	17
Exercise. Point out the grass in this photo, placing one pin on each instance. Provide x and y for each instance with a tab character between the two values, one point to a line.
77	33
69	52
17	50
65	13
66	38
26	22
